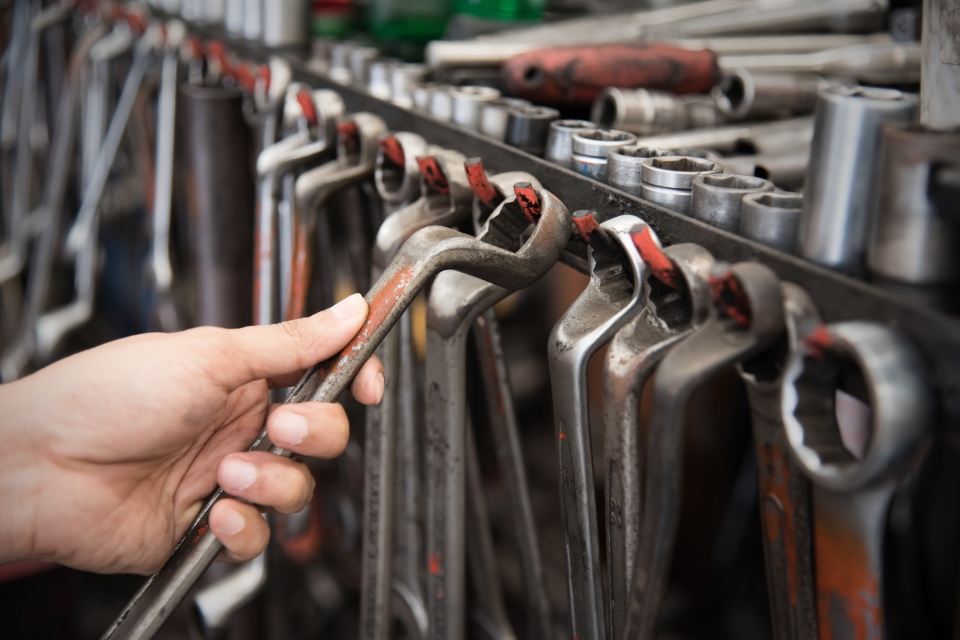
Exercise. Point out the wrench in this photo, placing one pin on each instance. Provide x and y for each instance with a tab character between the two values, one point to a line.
54	326
752	318
165	313
455	301
12	96
851	496
263	105
22	350
668	316
426	253
356	156
321	109
445	200
784	491
613	297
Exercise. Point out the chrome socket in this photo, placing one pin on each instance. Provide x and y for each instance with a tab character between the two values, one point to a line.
360	59
468	103
529	127
285	23
772	219
381	74
668	181
560	140
624	164
403	79
648	112
717	198
496	113
742	94
441	102
590	149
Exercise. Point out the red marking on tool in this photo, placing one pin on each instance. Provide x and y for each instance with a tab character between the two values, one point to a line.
563	436
819	342
651	253
433	175
434	564
306	104
196	48
393	151
778	510
300	271
245	77
528	201
136	21
729	296
264	72
349	134
482	188
586	226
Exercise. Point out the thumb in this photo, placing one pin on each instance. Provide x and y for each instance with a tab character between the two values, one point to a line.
255	353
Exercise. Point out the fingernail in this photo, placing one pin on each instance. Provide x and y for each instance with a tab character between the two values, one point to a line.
289	428
381	383
231	523
349	308
237	475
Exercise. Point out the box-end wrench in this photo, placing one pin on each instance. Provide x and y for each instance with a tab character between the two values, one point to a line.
54	326
397	173
445	201
264	103
748	319
12	95
356	157
613	297
321	110
426	253
670	313
455	301
498	397
784	491
851	497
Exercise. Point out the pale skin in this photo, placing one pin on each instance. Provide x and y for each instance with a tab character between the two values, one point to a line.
109	454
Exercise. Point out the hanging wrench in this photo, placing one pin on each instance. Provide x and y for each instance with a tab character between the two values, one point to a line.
751	319
613	297
356	156
851	497
265	102
456	300
784	491
445	200
23	349
164	311
668	316
12	96
423	255
321	112
55	325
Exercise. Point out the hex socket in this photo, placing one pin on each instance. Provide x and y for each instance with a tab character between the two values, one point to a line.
403	79
772	219
529	127
560	140
496	113
647	112
468	104
742	94
441	102
718	198
676	172
624	164
590	149
380	81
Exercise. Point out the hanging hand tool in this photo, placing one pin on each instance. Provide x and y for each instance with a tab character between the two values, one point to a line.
784	491
55	325
670	314
456	300
15	63
614	296
575	76
852	493
445	201
750	319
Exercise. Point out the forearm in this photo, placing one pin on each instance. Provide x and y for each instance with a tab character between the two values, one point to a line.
20	470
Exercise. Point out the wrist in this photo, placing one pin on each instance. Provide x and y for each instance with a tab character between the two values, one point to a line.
19	474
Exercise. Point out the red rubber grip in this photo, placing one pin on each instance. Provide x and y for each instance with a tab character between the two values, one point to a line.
575	76
477	178
586	226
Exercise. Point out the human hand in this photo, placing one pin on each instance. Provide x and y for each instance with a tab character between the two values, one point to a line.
109	454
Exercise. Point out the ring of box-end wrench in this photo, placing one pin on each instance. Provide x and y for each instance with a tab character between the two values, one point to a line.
425	254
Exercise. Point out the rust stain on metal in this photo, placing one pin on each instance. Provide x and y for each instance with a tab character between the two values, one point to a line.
392	151
775	485
528	200
299	273
651	253
482	188
433	174
730	298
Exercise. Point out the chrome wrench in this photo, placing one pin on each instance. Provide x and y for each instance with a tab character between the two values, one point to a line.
751	319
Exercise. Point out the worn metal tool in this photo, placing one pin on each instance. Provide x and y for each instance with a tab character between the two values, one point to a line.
762	137
445	200
613	297
590	149
456	300
559	149
22	349
784	491
772	219
669	314
355	161
668	180
852	493
55	325
647	112
528	128
321	111
743	94
468	104
625	164
718	198
423	255
750	319
495	116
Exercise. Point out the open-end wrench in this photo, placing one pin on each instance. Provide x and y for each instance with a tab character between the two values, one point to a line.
356	157
851	496
423	255
456	300
321	110
613	297
669	314
445	200
22	349
784	491
750	319
55	325
164	311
